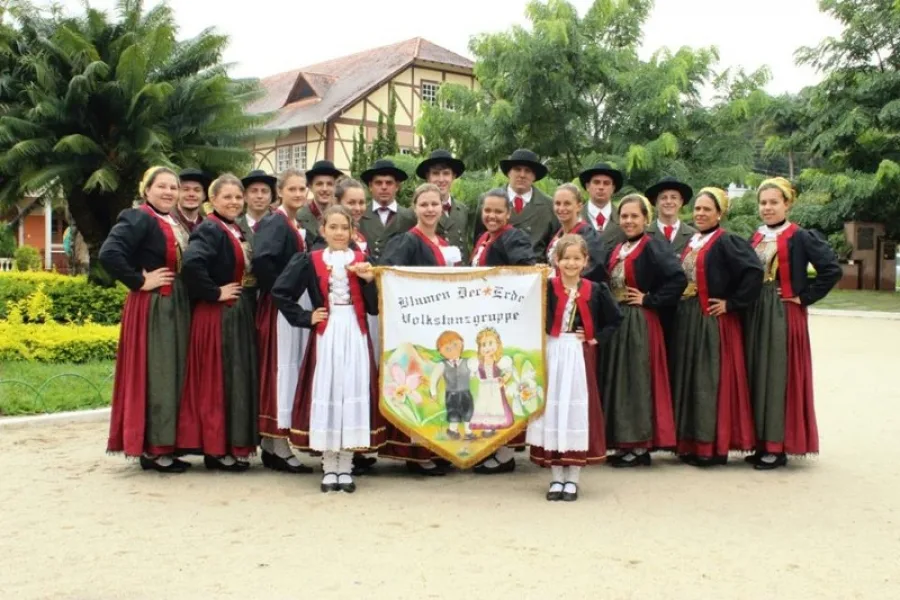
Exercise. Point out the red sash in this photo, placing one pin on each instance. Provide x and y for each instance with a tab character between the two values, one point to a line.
435	248
700	268
301	243
630	280
173	252
784	259
485	242
323	274
239	265
581	306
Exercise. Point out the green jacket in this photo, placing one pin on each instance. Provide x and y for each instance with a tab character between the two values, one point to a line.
377	234
454	226
682	236
612	234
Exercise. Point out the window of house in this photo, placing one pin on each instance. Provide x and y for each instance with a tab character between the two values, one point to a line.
429	91
291	156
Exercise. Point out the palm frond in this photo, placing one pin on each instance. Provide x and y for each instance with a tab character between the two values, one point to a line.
78	144
103	179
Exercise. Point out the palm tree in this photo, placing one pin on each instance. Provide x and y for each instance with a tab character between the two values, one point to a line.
88	103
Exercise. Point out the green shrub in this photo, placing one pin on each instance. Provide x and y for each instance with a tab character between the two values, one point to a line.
27	258
840	245
55	343
73	299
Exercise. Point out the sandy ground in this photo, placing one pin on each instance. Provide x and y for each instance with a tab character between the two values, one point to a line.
75	523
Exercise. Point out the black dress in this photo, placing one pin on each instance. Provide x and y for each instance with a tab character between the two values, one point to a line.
510	247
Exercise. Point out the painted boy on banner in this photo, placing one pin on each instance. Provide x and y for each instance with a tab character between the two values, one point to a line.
457	377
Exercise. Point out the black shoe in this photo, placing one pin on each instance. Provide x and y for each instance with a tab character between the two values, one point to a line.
629	459
453	435
780	461
214	464
417	469
520	449
182	463
272	461
555	496
688	459
362	464
754	458
348	487
507	467
570	496
150	464
446	465
329	487
711	461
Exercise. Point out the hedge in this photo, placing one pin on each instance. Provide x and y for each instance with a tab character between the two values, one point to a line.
56	343
74	299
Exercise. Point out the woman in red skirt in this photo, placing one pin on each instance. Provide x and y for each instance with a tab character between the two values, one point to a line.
637	399
710	392
218	416
143	251
779	361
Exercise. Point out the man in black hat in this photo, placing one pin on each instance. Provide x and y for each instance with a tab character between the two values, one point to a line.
384	218
532	210
669	195
259	194
441	169
320	180
602	181
192	195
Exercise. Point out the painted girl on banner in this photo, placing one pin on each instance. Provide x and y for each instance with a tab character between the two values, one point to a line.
492	410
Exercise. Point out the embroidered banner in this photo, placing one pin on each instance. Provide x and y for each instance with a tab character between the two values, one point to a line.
462	356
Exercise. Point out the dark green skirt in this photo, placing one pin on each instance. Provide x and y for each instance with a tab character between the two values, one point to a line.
636	395
626	391
241	374
168	333
710	392
765	339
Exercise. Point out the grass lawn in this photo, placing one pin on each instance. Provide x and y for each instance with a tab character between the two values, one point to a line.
861	300
31	388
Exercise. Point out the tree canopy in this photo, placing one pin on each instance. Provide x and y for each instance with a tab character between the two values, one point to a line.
88	103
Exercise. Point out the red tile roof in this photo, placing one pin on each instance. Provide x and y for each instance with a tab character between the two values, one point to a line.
340	82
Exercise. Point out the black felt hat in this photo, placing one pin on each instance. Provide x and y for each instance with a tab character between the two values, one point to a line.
196	175
440	157
259	176
384	166
669	183
323	167
602	169
524	158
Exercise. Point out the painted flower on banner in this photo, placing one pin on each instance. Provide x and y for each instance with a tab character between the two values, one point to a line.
526	394
403	386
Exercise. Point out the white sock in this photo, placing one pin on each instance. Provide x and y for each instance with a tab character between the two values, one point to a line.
330	462
556	486
571	487
491	463
267	444
227	460
504	454
557	473
163	461
330	478
344	478
282	449
428	464
639	451
572	474
345	462
769	459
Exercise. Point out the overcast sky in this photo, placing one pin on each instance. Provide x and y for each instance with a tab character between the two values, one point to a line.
271	36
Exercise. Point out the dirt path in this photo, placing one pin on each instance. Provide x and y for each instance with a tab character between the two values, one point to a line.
75	523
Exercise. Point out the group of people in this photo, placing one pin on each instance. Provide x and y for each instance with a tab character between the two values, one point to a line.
251	322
